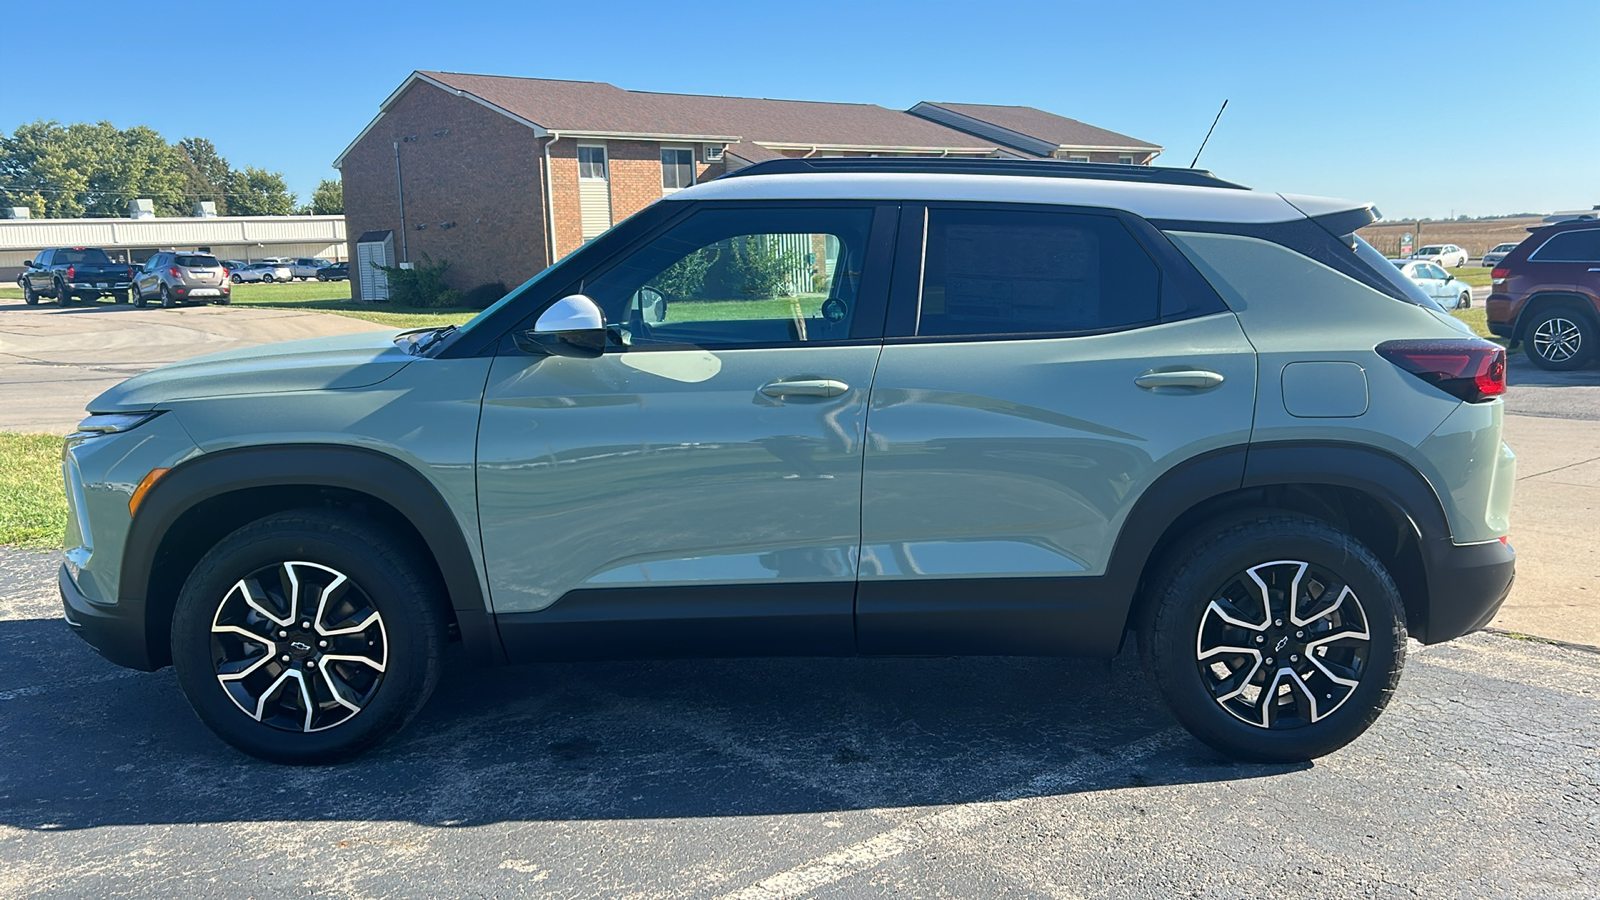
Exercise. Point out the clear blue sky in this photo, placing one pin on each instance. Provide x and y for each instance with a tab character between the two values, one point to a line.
1428	109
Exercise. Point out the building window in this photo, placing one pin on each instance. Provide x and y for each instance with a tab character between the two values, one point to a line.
677	168
1125	160
591	162
1078	157
713	153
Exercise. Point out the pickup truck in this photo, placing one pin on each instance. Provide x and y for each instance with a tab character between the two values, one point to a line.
68	272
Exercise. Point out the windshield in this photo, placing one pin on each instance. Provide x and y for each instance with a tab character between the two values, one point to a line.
80	257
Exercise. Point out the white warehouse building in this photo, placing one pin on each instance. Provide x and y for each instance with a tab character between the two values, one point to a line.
246	238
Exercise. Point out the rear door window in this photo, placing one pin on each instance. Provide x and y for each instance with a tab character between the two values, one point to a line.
1005	272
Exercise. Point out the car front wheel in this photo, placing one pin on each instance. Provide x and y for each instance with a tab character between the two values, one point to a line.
1464	301
1560	339
307	637
1277	638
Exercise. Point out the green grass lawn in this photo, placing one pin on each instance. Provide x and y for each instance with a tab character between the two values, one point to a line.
330	297
1477	276
33	510
334	297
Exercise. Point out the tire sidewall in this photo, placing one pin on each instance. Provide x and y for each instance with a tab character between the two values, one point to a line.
1586	328
412	657
1170	642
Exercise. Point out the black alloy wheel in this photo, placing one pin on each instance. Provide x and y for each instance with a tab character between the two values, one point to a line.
1275	637
308	636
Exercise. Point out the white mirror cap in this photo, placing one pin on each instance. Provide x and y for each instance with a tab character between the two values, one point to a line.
571	313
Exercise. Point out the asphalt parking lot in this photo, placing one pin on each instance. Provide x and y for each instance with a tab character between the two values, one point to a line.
781	778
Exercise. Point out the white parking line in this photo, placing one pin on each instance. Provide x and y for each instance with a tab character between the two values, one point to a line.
863	855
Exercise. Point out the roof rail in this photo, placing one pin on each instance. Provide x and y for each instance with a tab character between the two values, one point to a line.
945	165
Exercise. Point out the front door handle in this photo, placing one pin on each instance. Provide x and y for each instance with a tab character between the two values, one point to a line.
804	387
1198	379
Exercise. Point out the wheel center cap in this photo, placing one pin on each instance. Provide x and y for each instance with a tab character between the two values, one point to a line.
300	646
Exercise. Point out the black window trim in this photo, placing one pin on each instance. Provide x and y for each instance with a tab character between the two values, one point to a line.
1172	267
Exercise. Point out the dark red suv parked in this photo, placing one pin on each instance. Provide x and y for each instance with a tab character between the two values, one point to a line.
1546	294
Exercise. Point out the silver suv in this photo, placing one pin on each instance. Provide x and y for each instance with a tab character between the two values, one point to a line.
175	278
831	407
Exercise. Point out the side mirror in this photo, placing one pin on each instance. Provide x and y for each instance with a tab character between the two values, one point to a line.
29	264
1449	277
572	326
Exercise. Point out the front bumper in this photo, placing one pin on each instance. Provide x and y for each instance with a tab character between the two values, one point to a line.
116	632
1466	585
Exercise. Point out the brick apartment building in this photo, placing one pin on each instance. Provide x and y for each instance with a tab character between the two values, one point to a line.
502	175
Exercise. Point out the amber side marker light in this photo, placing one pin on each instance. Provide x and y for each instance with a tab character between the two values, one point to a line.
144	488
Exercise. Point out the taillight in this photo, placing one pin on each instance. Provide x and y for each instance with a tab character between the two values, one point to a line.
130	271
1498	275
224	273
1471	369
72	272
175	272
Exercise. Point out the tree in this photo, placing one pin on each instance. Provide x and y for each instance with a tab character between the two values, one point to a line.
67	171
328	198
257	192
90	170
209	174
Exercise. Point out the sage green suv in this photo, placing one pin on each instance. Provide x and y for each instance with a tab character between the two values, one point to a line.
830	407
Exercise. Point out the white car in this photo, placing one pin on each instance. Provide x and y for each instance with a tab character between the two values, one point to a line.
1448	255
1443	287
1493	257
262	271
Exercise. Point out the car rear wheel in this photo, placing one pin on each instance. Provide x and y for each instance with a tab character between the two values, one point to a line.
167	300
1277	638
267	279
1560	339
63	296
307	637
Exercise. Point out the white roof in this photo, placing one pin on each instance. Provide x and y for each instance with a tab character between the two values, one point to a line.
1151	201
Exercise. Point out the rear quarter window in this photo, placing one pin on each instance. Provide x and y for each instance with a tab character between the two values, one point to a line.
1248	270
1570	246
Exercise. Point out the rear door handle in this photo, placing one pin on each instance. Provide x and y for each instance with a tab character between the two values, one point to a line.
1198	379
804	387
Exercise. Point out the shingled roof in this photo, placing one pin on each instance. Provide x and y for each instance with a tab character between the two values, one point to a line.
756	126
1027	128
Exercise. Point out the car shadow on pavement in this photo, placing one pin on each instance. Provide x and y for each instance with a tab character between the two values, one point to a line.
84	744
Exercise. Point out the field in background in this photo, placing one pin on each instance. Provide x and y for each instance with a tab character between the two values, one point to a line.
1476	236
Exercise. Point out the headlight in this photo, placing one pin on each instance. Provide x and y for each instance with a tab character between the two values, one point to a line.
115	423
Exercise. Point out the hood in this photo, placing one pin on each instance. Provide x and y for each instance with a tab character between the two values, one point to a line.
330	363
